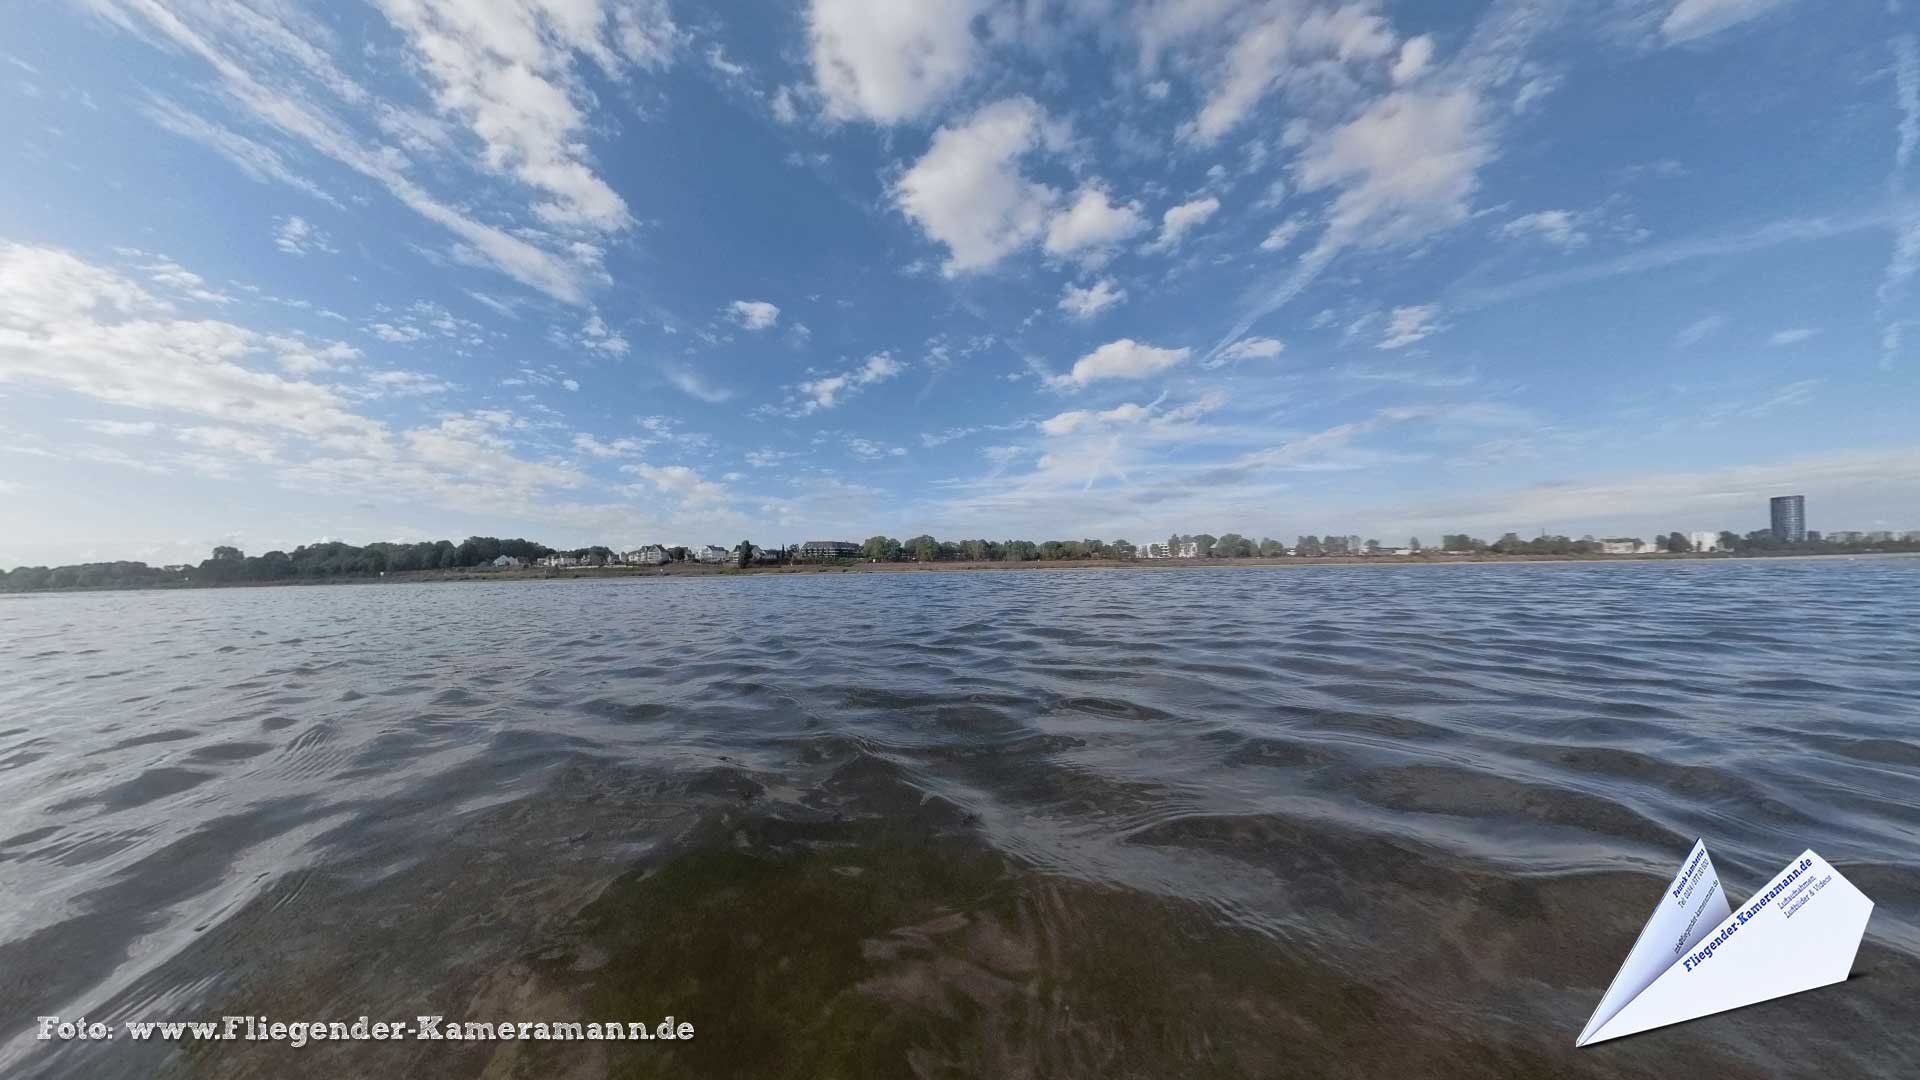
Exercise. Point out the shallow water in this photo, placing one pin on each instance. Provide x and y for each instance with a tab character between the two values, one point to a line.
1327	821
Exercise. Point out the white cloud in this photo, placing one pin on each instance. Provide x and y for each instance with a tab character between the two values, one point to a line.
968	192
1180	220
765	458
403	384
786	108
507	72
1905	261
868	450
1406	165
120	428
1284	234
1092	225
1088	301
1079	420
180	281
694	386
95	332
595	335
1409	325
571	384
832	390
607	448
1415	53
1698	331
887	61
1795	336
257	160
506	123
1559	228
233	441
753	314
1253	348
1122	359
296	236
728	69
396	334
1247	51
680	482
1692	19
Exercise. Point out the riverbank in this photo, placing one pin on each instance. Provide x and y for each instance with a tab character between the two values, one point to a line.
701	570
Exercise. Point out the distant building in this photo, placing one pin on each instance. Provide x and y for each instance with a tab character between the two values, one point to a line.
714	553
1789	518
1911	536
648	555
1703	540
557	561
505	561
1189	550
1880	536
1155	551
1846	536
1622	545
830	549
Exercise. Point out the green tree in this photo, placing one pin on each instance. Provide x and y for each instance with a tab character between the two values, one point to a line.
1678	542
743	555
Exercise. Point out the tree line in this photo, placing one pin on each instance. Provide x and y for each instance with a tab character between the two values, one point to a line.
333	559
227	564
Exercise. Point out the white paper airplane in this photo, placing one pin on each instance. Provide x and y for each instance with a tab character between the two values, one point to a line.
1696	956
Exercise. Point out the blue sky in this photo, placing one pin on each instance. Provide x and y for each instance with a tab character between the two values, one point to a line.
614	271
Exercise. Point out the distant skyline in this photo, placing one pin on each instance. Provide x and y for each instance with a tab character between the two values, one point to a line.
623	271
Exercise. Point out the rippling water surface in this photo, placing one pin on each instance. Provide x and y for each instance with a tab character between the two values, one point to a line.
1335	821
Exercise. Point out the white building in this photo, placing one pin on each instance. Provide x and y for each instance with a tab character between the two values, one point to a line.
557	560
713	553
505	561
1702	540
1155	551
1190	550
1621	546
649	555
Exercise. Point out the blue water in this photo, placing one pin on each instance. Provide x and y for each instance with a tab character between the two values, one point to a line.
1441	796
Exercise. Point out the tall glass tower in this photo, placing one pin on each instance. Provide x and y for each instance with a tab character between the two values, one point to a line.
1790	518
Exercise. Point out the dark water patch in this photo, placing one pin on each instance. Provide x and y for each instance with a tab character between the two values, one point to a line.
1690	781
1278	754
636	712
150	785
22	758
1875	751
232	751
1373	724
31	836
1475	793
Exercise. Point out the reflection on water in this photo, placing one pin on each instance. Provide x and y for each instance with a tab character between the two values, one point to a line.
1329	822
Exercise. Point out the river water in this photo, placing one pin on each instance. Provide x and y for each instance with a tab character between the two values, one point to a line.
1327	821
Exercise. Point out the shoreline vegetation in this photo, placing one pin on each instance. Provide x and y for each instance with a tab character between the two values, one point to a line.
473	560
